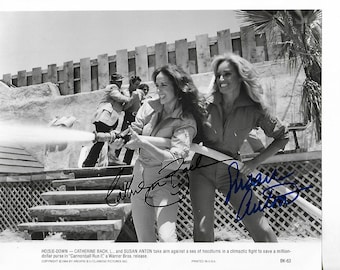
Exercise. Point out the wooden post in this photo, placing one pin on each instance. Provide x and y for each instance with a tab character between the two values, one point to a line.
123	65
273	39
36	75
7	78
194	57
22	78
182	54
85	75
224	43
203	53
52	73
161	54
68	88
248	43
103	71
142	63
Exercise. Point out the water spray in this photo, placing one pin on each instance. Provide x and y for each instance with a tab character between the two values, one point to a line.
56	135
21	133
40	135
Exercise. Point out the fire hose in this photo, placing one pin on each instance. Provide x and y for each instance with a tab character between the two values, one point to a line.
158	141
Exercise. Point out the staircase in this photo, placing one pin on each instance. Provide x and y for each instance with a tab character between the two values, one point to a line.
91	204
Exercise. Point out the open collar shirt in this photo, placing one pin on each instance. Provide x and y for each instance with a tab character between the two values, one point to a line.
179	128
227	133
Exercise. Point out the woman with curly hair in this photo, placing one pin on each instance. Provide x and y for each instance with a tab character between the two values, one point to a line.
172	115
234	108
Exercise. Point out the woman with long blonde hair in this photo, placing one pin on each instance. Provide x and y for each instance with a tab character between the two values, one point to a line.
234	109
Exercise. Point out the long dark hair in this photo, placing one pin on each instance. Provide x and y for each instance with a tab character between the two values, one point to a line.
185	91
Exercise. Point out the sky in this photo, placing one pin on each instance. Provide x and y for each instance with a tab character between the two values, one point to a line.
32	39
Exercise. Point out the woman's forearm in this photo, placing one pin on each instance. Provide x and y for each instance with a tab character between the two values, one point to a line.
158	153
271	150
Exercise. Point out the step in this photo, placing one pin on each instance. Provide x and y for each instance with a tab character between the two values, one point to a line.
105	182
100	171
86	196
93	226
82	211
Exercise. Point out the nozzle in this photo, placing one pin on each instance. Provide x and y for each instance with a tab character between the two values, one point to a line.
111	136
103	137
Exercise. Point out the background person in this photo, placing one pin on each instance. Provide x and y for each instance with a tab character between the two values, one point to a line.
145	88
130	110
142	91
234	108
107	115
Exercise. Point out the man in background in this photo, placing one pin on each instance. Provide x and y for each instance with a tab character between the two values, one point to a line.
106	117
130	110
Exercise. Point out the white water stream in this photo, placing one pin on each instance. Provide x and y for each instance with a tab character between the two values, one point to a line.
12	132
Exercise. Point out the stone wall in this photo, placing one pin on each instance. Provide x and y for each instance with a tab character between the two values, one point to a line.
42	103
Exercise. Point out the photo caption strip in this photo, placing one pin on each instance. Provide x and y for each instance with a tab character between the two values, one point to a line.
61	255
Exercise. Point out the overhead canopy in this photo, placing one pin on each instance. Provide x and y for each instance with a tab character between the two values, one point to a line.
15	159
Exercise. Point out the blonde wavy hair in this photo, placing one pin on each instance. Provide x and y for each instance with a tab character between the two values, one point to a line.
250	79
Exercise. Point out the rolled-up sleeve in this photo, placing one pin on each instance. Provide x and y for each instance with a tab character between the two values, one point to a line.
273	127
180	144
116	95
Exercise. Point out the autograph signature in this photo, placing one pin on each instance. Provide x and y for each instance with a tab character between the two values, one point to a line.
247	206
171	178
127	192
237	184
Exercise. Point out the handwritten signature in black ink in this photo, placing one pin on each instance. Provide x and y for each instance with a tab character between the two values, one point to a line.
127	192
171	177
236	185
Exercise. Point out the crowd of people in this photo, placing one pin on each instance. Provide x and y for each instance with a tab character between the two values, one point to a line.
222	119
